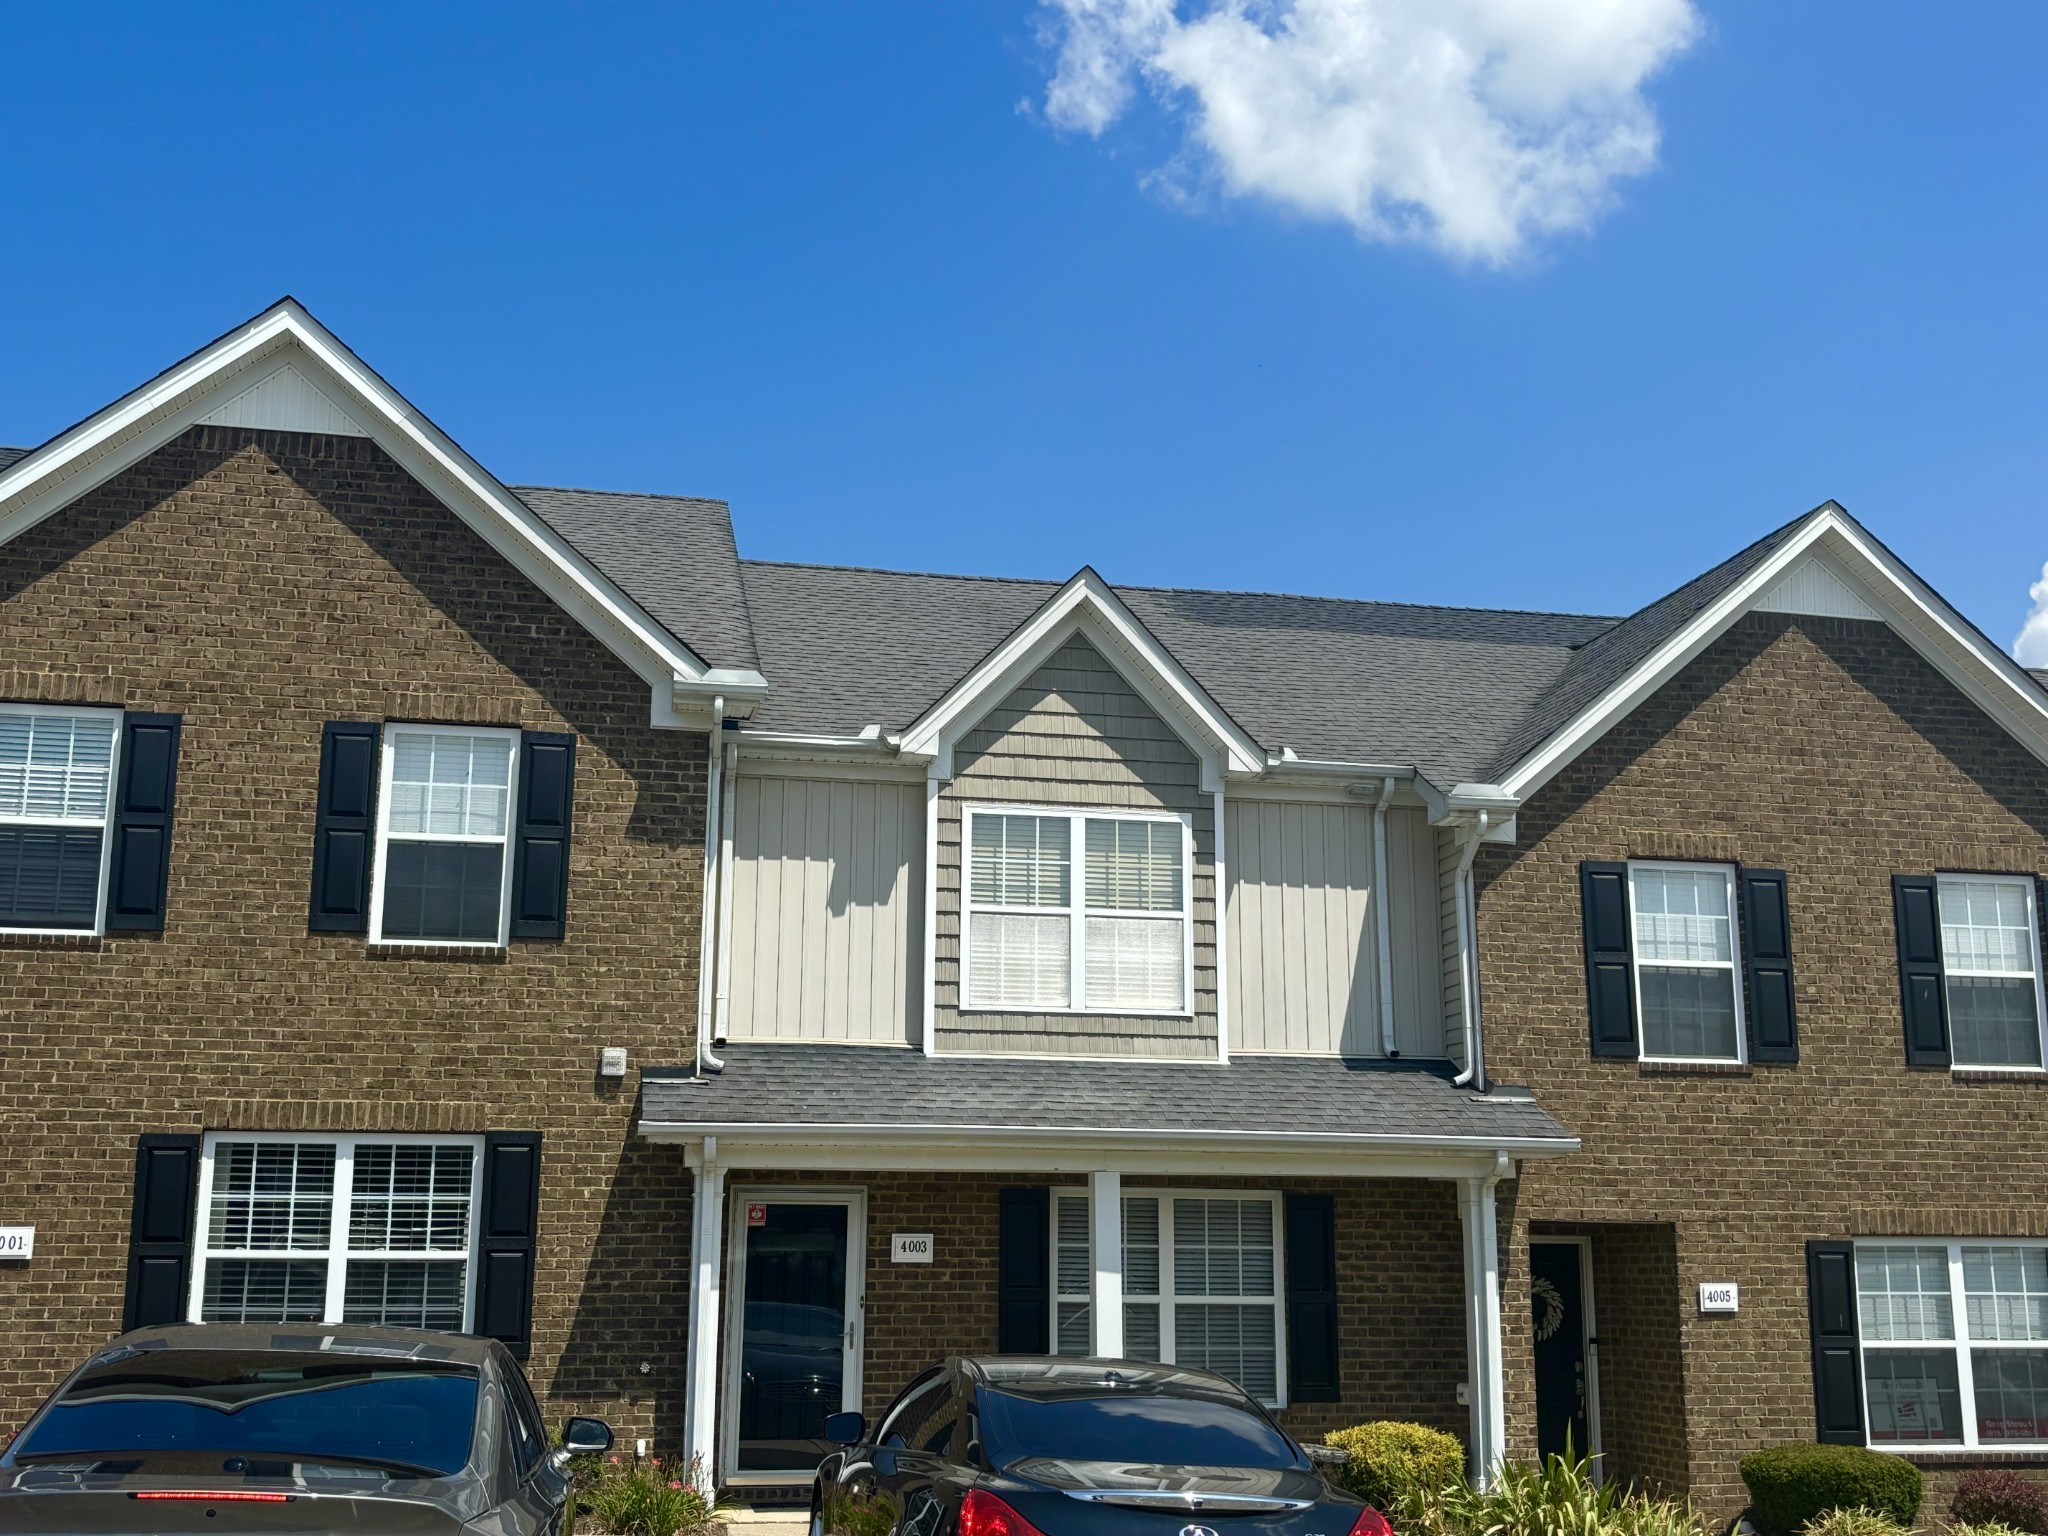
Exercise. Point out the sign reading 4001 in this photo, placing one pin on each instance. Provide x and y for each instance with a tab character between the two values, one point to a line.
17	1243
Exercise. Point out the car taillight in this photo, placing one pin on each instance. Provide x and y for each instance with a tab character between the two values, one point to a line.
983	1514
221	1497
1371	1522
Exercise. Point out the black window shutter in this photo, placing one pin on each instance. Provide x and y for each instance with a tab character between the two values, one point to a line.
1837	1359
1767	964
540	859
1923	990
143	801
1024	1271
1610	975
1312	1357
344	828
511	1217
160	1230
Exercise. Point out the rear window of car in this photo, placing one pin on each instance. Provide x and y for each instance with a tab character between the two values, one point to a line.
1131	1427
402	1415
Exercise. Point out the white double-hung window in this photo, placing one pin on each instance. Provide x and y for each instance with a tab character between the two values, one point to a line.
444	824
1688	994
1201	1277
56	784
1955	1343
1111	936
374	1229
1991	962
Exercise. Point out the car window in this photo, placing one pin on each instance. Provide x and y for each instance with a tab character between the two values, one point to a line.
910	1411
1139	1427
523	1424
312	1408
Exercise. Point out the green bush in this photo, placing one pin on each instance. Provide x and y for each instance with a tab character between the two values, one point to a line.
1389	1460
1854	1522
1790	1484
1986	1528
647	1499
1559	1498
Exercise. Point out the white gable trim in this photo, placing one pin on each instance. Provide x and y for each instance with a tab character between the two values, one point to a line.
1814	586
1864	571
284	400
243	373
1086	606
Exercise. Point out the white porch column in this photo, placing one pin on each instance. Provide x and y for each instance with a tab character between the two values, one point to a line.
707	1268
1482	1326
1106	1288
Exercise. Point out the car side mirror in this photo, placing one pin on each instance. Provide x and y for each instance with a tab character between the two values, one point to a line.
845	1428
586	1437
1327	1455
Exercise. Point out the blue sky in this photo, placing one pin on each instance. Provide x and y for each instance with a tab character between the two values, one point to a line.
837	264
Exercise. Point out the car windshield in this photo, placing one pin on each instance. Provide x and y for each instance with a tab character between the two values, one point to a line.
1147	1428
406	1415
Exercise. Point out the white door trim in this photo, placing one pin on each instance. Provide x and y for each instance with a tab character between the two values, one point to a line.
738	1197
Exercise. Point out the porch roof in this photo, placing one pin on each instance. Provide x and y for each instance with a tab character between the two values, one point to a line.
812	1096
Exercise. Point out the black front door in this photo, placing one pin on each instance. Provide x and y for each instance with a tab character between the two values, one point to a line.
793	1335
1558	1299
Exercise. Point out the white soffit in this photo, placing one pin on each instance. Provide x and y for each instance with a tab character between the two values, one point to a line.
285	400
1815	588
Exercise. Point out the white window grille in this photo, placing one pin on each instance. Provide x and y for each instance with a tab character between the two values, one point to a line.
1116	940
1688	992
56	789
444	824
372	1229
1990	954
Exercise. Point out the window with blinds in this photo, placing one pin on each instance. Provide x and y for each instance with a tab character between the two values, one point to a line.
56	783
1201	1283
1115	940
445	824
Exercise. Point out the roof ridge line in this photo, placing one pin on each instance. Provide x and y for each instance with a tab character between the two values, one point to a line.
591	490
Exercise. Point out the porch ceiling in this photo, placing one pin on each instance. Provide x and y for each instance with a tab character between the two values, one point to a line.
865	1106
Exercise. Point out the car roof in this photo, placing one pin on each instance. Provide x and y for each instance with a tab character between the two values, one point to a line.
333	1339
1064	1376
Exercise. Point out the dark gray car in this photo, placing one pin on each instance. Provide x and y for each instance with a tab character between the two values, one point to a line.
221	1428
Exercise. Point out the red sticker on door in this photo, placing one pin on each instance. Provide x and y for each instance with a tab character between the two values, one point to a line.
757	1215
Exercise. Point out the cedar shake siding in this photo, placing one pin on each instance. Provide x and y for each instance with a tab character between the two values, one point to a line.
261	584
1076	734
1826	748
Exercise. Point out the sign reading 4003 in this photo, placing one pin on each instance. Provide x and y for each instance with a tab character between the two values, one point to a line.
17	1242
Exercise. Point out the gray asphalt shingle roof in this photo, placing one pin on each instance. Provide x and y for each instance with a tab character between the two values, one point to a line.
13	455
858	1085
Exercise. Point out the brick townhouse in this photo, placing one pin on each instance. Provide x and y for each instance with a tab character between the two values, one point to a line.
737	984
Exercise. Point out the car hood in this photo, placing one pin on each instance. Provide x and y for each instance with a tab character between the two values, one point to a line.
1220	1490
40	1500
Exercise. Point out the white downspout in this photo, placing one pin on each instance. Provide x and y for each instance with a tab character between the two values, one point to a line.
1468	980
707	928
722	1010
1383	919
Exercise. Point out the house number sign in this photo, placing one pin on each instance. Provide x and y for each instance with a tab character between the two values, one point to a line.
910	1248
17	1242
1719	1296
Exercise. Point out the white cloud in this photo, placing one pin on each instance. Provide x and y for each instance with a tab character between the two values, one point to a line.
1471	126
2030	646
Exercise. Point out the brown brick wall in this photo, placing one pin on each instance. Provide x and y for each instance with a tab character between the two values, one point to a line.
260	584
1829	749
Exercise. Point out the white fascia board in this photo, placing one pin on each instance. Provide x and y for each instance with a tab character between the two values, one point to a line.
977	1148
111	440
1087	605
1991	679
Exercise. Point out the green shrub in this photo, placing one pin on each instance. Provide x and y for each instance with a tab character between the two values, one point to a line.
1390	1460
647	1499
1558	1498
1854	1522
1999	1496
1791	1484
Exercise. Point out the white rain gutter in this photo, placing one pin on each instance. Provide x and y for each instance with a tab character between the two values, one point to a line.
1382	918
723	1007
708	924
1468	945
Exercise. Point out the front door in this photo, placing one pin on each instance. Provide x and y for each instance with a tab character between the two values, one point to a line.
797	1327
1564	1381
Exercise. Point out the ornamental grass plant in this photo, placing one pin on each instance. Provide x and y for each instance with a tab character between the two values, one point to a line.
647	1498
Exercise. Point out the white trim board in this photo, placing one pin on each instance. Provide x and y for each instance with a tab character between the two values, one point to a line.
243	375
1865	570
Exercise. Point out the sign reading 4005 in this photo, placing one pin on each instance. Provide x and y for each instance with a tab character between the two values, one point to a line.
17	1242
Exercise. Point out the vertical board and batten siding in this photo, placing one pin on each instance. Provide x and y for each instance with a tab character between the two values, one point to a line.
827	891
1075	733
1303	934
1447	924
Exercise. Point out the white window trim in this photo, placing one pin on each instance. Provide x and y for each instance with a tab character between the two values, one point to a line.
2026	885
1077	910
105	823
387	758
1167	1300
337	1253
1960	1344
1733	963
